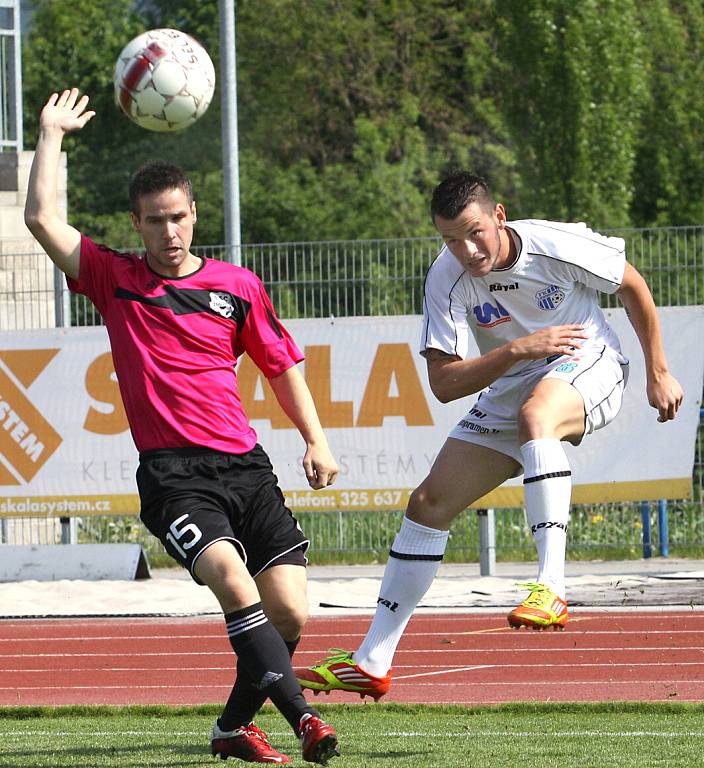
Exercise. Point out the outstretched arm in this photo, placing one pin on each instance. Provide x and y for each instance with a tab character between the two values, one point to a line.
664	391
294	397
61	114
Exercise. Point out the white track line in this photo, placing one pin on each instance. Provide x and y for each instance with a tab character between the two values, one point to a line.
392	734
568	633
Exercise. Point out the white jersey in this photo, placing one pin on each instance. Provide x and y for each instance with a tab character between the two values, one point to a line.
554	281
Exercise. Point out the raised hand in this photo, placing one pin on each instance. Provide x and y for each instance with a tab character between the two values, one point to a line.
65	112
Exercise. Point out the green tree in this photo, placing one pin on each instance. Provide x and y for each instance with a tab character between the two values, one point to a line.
669	171
367	103
349	113
574	88
76	43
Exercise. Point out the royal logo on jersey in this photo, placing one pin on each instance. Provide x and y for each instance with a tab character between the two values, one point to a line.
494	287
488	315
550	297
222	304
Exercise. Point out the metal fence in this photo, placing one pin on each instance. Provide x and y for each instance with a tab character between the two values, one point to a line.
376	277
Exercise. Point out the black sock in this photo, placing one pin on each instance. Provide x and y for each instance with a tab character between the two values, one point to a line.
262	652
245	700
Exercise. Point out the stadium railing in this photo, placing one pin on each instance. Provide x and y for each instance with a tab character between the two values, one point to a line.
383	277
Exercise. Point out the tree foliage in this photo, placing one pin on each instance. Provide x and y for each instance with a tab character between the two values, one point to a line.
669	169
574	89
350	112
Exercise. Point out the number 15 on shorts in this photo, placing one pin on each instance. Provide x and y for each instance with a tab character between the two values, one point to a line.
183	537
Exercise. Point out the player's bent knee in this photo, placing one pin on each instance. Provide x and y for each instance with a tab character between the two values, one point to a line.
289	620
425	507
534	421
529	427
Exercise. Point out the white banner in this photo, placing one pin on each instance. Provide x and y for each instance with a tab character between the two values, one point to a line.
65	447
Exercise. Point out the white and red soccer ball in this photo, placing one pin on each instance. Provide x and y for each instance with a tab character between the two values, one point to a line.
164	80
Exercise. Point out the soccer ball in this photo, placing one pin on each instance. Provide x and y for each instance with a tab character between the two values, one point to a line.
164	80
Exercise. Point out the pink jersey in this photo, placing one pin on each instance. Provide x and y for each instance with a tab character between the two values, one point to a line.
175	343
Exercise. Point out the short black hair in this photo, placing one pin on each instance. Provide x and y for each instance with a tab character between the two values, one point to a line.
157	177
454	193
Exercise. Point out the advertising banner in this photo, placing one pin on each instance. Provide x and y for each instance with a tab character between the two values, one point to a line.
65	447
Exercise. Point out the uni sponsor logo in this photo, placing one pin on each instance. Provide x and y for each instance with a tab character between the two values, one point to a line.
27	440
488	315
494	287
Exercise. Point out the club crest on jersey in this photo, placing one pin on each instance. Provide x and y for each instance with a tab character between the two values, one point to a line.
550	297
222	303
488	315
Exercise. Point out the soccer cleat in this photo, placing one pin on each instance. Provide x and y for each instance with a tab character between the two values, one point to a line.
318	740
248	743
338	672
542	609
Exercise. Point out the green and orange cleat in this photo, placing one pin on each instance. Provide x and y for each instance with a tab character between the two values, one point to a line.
541	610
338	672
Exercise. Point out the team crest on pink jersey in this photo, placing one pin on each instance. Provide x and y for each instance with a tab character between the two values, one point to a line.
222	303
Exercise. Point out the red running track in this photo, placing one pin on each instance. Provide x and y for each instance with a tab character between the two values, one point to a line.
468	659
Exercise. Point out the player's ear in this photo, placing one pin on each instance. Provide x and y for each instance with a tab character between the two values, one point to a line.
193	212
500	214
135	221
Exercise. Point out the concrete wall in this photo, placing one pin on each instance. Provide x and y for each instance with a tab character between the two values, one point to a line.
26	272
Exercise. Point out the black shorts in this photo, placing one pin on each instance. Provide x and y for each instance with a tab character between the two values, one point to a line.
194	497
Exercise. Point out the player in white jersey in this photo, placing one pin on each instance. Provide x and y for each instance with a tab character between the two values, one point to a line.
550	369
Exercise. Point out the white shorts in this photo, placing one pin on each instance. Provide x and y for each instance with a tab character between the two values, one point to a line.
599	375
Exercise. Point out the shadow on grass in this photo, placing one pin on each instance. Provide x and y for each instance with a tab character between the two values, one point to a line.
136	756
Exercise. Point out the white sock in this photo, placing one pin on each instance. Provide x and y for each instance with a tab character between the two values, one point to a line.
413	562
547	484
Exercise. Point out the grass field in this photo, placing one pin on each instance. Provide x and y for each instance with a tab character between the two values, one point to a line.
392	736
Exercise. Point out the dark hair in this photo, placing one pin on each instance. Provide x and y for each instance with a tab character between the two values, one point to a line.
454	193
157	177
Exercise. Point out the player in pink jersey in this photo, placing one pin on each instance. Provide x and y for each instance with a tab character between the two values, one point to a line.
177	324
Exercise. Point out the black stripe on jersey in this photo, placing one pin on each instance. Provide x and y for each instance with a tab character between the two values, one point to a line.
189	301
274	324
113	252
